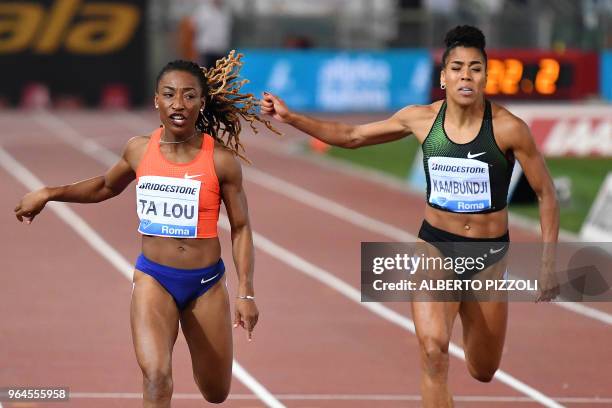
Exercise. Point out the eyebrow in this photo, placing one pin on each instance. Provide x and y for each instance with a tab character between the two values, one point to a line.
189	88
474	62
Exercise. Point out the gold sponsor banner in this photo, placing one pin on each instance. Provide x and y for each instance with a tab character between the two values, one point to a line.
88	51
76	26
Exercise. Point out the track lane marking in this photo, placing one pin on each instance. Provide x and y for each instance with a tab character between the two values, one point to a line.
349	397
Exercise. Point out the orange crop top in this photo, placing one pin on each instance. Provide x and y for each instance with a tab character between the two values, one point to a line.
178	200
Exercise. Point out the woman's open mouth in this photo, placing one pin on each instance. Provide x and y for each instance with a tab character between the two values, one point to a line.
178	119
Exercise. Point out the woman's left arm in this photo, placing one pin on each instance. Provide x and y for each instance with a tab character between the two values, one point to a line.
229	173
533	165
521	142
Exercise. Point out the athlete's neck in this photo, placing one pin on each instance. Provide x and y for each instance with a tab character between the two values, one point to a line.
464	115
176	140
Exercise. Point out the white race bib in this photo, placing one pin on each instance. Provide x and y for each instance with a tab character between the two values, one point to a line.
168	206
459	185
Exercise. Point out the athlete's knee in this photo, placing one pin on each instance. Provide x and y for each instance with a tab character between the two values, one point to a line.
216	397
216	393
482	374
157	385
434	352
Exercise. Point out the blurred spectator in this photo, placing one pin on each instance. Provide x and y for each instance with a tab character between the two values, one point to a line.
186	40
35	95
212	23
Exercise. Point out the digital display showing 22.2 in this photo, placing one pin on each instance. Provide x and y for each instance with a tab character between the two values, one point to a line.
511	76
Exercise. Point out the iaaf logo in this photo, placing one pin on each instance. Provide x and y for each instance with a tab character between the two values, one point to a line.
101	27
571	137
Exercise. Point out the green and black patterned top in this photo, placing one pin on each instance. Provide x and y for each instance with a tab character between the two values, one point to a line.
468	178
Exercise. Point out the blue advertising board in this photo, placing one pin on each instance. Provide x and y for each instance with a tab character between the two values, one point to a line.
605	78
340	81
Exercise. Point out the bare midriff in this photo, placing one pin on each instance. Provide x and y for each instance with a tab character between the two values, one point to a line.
182	253
489	225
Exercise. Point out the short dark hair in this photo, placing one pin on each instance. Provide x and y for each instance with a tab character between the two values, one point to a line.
464	36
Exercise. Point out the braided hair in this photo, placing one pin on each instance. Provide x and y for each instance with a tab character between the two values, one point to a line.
464	36
224	105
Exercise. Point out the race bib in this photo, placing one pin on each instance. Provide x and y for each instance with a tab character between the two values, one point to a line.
168	206
459	185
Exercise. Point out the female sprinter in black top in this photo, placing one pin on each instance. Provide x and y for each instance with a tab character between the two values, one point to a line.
467	142
178	279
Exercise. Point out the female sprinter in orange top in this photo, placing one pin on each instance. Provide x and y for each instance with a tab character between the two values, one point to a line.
472	142
183	171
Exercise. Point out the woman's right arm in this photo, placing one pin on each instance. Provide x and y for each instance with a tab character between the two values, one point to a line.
341	134
92	190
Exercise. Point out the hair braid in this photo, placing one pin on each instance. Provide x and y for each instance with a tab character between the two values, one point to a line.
226	105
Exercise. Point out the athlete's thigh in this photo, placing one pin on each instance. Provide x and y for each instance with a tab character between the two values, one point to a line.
484	332
154	319
433	318
206	324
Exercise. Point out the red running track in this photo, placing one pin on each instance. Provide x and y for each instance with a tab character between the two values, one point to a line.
64	307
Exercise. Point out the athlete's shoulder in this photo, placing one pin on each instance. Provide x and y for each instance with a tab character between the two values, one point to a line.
138	141
135	149
417	119
137	144
224	153
506	121
227	164
511	132
420	112
502	116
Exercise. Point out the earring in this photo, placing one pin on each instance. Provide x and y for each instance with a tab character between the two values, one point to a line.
442	86
156	106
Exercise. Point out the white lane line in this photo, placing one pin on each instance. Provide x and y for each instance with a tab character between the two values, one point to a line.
326	205
255	386
89	235
70	136
344	397
587	311
347	290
